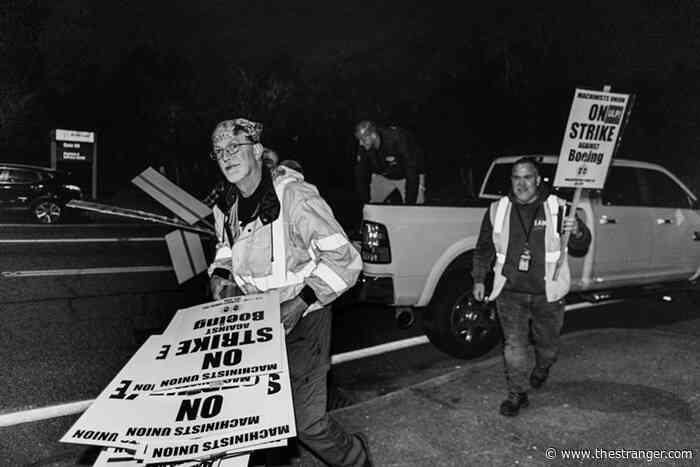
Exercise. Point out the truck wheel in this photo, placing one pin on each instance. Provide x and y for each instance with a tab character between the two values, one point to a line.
456	323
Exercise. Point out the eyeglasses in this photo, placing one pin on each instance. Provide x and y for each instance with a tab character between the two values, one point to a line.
230	150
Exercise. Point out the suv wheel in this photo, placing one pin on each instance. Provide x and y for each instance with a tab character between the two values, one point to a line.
47	211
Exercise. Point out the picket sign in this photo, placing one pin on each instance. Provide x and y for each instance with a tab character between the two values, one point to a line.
117	457
186	254
596	149
182	204
215	383
184	244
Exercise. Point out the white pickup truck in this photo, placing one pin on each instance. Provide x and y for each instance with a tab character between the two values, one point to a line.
645	225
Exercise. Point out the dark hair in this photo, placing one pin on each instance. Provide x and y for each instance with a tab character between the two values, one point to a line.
528	160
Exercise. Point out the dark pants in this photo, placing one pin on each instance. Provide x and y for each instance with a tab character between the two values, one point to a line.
308	351
518	313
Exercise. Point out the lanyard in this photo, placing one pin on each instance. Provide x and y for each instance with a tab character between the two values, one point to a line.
522	224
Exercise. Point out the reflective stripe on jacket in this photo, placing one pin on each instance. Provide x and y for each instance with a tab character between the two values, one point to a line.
304	245
499	212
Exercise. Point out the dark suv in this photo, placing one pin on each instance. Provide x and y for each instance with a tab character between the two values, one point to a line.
40	191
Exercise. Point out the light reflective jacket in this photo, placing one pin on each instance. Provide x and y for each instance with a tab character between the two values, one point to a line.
291	244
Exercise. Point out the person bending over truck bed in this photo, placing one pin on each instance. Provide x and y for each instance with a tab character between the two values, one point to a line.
521	231
389	160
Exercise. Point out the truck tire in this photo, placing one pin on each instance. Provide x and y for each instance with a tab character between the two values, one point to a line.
456	323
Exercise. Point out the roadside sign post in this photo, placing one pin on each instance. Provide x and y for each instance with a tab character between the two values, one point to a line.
592	136
75	151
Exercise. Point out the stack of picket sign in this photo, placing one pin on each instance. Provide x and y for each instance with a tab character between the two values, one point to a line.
211	388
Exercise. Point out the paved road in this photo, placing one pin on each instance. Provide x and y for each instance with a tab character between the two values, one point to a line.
364	379
360	381
64	337
66	327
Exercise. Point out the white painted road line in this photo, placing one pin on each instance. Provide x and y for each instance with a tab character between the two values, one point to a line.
71	408
378	349
578	306
419	340
81	226
85	271
83	240
43	413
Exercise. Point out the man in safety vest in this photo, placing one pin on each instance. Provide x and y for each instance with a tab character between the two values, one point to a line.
275	232
521	233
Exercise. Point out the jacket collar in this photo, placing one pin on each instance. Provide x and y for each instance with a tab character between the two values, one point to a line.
269	204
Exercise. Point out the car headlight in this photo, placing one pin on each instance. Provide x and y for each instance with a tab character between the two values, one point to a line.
73	188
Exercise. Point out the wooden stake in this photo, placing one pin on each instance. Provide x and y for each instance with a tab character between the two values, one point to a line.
572	215
565	237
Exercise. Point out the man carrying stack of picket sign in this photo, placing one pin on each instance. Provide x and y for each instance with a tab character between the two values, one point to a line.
214	383
275	232
276	236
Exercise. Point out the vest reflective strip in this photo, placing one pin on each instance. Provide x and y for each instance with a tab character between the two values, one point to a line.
330	277
500	214
279	250
552	204
292	278
549	257
279	276
223	252
552	256
332	242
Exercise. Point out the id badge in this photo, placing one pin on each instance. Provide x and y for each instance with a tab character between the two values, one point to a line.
524	263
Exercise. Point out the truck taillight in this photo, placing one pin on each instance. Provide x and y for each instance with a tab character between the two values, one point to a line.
375	243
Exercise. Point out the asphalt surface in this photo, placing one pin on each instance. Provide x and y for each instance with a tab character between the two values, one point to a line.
612	390
64	338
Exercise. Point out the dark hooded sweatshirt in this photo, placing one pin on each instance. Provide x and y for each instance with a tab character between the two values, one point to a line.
532	281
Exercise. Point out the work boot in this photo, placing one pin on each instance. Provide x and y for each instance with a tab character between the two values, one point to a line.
365	446
511	406
538	377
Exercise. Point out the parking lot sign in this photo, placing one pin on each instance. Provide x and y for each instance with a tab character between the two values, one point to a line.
76	152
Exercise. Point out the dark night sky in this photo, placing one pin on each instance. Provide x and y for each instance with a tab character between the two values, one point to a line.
322	31
485	78
225	30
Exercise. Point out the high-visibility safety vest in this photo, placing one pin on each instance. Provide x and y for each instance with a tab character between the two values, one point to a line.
265	256
499	213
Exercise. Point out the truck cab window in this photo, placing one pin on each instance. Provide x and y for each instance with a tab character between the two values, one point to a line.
499	179
622	187
662	191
